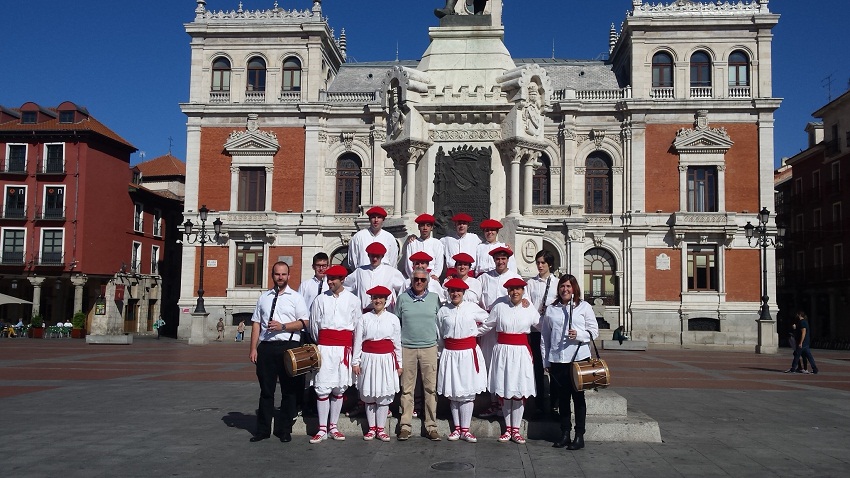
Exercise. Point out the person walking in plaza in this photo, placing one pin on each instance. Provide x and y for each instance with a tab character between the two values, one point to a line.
483	259
375	273
462	240
461	373
426	243
463	264
567	328
357	255
240	331
335	315
219	327
803	339
542	291
376	361
276	325
417	309
511	371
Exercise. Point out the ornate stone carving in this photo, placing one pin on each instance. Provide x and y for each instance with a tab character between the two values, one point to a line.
377	136
462	183
702	138
576	235
555	171
690	8
389	171
330	171
252	141
729	239
678	239
598	136
347	140
617	170
366	171
598	239
581	170
323	137
473	133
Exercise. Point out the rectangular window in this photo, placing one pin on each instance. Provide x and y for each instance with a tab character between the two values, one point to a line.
836	217
54	158
54	202
138	216
249	265
835	178
817	220
702	189
817	262
702	268
51	247
16	161
154	259
838	256
29	117
136	258
16	202
157	222
66	116
13	246
816	185
252	189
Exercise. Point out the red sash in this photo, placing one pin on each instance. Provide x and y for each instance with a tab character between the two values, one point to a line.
514	339
338	338
384	346
466	343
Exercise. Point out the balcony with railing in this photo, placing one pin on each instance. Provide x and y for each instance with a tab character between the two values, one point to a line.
12	258
52	166
357	97
662	93
740	92
289	96
255	97
219	97
51	214
15	166
49	258
14	212
701	92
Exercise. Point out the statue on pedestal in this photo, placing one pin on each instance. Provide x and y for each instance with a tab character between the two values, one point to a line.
449	9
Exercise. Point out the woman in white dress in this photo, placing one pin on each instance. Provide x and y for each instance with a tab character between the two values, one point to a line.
566	330
376	361
461	372
511	367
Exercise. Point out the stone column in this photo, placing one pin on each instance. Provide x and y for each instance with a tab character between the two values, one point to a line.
514	210
36	293
79	282
269	186
410	207
397	185
234	188
531	165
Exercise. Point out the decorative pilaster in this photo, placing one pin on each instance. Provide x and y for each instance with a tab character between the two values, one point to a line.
406	152
79	281
518	149
36	293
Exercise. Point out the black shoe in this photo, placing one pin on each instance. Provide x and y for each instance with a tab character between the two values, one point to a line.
578	443
256	438
564	441
285	437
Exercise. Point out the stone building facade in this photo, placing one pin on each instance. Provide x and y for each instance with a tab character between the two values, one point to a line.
637	172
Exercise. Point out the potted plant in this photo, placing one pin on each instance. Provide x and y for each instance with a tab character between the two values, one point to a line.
36	327
78	326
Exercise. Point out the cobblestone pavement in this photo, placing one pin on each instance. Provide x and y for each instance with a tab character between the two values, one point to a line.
162	407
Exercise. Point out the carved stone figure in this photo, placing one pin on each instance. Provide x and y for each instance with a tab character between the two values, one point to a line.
449	9
532	114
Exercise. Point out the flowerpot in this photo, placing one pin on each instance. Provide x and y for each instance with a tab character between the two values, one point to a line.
78	333
36	332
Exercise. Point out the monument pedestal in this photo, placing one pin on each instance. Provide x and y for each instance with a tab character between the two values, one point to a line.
767	340
199	328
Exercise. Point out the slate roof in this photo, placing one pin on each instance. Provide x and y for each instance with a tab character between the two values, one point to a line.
53	125
166	165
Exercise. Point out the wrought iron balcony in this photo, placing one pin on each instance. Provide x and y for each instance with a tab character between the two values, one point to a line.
50	259
14	212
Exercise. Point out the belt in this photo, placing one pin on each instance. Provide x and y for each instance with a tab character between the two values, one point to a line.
338	338
384	346
514	339
277	342
466	343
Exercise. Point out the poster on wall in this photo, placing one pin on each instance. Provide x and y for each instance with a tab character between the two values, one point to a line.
100	308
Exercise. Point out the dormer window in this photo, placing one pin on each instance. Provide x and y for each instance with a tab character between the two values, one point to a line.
29	117
66	117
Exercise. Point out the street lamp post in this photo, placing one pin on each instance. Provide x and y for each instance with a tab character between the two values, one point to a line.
203	238
763	240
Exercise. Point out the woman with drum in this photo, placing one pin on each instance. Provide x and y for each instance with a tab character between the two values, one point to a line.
511	374
376	361
461	373
566	329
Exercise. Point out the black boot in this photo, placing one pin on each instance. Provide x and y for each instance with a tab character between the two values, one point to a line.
578	443
564	441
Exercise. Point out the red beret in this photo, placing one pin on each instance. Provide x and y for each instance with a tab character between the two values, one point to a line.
451	271
379	291
455	283
421	256
515	282
336	271
376	248
463	257
462	217
501	250
491	224
425	219
377	210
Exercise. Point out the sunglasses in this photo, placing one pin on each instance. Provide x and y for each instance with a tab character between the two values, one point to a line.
420	279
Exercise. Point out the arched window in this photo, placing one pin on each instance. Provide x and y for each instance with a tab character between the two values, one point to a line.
739	69
662	70
540	183
600	276
221	74
256	74
700	69
292	74
597	184
347	184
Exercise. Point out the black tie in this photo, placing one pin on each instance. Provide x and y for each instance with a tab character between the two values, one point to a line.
320	287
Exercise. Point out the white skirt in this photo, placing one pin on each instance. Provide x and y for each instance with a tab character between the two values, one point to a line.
456	375
334	373
511	371
378	376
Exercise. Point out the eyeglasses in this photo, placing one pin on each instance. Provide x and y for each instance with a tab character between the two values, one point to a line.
420	279
321	266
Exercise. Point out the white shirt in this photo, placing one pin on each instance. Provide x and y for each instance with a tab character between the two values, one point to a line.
537	287
364	278
554	344
309	289
340	312
433	247
357	256
459	322
377	327
455	245
290	306
484	261
473	294
493	287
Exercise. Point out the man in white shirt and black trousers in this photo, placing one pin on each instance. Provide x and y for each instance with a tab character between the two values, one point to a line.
278	320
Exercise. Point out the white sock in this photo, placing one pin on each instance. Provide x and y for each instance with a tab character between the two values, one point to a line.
466	414
323	405
516	414
370	414
455	413
506	411
336	407
381	415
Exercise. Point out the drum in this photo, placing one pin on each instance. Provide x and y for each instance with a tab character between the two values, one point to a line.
301	360
591	374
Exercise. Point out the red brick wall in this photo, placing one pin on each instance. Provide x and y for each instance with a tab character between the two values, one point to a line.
215	278
662	169
743	275
742	168
294	268
663	285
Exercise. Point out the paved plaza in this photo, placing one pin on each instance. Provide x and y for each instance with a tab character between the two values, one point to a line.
164	408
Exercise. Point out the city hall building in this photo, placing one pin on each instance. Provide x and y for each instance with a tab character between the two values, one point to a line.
637	172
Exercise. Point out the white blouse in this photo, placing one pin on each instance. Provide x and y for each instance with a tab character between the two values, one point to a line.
555	346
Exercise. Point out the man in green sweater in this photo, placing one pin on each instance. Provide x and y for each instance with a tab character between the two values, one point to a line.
417	309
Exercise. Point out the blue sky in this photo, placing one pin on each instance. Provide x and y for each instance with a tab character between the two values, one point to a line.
128	62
